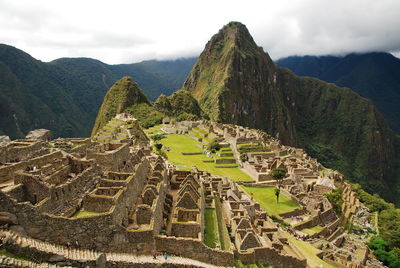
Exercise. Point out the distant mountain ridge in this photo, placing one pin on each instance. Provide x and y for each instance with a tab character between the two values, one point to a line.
374	75
64	95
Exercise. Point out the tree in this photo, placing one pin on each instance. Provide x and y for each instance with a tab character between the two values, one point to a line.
158	146
277	192
244	157
336	199
278	174
156	138
213	146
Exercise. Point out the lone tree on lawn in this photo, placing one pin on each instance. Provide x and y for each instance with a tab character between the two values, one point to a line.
156	138
277	192
278	174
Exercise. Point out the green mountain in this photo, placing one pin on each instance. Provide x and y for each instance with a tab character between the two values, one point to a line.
181	105
235	81
64	95
375	76
123	94
33	97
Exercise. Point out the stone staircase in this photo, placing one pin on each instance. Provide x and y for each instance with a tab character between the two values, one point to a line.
85	255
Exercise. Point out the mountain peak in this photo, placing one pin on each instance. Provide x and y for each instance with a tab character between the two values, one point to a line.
236	28
232	35
230	74
123	94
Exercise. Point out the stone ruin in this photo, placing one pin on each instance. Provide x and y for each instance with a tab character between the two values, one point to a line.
306	184
75	201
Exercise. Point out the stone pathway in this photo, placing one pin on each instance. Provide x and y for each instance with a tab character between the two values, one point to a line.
83	255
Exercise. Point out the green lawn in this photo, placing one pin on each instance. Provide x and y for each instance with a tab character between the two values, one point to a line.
182	143
82	213
211	236
312	230
223	231
267	199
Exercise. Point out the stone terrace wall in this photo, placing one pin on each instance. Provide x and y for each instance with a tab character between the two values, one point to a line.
296	212
101	232
111	160
270	256
19	150
91	232
133	190
7	172
194	249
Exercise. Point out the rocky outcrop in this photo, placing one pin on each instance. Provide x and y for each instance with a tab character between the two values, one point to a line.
39	134
4	140
235	81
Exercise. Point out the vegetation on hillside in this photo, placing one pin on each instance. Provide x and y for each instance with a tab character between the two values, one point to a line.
181	105
386	246
336	199
373	75
64	95
147	115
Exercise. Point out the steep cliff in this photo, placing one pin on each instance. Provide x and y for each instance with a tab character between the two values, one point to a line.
235	81
124	94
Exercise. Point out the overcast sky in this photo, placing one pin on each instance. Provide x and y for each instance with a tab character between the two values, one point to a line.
130	31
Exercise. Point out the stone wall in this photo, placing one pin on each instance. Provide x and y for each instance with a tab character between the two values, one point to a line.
158	206
112	159
270	256
19	150
314	221
186	229
194	249
296	212
7	172
225	161
102	231
98	203
92	232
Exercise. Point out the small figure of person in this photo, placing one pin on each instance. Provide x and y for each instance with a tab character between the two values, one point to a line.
154	255
165	255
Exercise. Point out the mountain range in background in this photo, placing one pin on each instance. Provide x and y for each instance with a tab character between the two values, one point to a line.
375	76
64	95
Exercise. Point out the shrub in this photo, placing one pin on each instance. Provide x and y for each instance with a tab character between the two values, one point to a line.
158	146
214	146
336	199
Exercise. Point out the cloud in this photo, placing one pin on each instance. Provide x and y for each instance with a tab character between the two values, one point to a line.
123	31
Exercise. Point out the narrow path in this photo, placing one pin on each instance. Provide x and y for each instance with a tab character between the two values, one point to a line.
83	255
